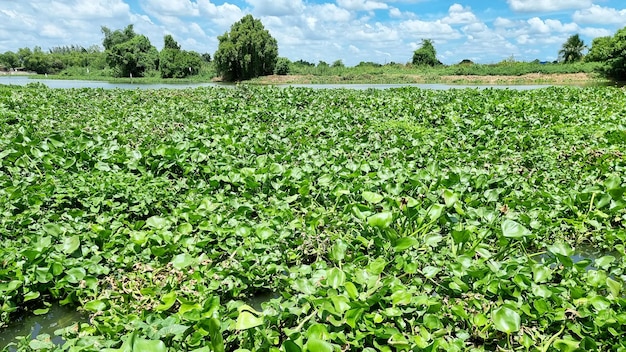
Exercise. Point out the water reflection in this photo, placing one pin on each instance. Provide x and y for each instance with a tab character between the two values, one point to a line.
67	84
29	326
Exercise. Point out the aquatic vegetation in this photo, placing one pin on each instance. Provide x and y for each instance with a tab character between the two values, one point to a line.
389	220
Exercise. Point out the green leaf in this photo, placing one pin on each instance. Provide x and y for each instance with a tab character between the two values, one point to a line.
561	248
183	260
41	311
185	228
31	296
506	320
172	330
290	346
605	261
450	197
435	211
157	222
248	318
338	251
215	333
71	244
53	229
405	243
143	345
380	220
512	229
372	197
336	278
317	345
600	303
167	301
74	275
95	306
353	316
566	345
614	287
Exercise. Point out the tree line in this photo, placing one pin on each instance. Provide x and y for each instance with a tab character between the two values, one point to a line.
247	51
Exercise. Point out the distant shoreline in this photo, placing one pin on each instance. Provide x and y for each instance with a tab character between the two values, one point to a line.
386	78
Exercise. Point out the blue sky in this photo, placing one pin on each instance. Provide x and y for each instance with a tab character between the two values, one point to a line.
313	30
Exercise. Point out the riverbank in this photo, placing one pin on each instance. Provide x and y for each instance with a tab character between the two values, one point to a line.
532	78
580	78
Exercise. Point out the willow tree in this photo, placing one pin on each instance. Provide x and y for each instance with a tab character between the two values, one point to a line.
247	51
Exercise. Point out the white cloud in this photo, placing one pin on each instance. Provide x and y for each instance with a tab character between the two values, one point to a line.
595	32
395	12
503	22
458	14
223	15
276	7
184	8
600	15
547	5
429	30
362	5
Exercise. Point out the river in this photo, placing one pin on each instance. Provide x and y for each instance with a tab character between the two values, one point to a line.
67	84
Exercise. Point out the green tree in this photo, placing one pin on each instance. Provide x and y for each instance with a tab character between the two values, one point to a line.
41	63
10	59
282	66
247	51
600	49
425	55
572	50
170	43
338	63
129	53
616	62
176	63
23	54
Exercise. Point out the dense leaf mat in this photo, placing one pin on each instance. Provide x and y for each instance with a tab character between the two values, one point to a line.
270	219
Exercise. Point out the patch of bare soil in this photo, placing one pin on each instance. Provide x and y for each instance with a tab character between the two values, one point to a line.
530	78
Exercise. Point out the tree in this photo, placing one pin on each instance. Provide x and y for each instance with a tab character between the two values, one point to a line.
10	59
247	51
39	62
129	53
616	62
338	63
600	50
176	63
170	43
282	66
426	55
572	50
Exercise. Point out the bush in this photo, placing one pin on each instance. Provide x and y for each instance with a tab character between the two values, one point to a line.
282	66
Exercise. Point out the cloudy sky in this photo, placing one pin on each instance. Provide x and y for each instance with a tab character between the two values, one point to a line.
313	30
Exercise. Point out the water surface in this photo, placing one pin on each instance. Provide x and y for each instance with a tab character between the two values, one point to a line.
30	325
67	84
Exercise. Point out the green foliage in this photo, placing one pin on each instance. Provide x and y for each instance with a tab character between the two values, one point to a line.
170	43
9	59
282	66
616	62
128	53
247	51
600	50
285	219
572	49
338	63
176	63
425	55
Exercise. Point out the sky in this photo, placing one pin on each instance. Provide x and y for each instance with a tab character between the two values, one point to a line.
380	31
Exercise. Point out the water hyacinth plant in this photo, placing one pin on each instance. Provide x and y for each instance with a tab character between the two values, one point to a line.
286	219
